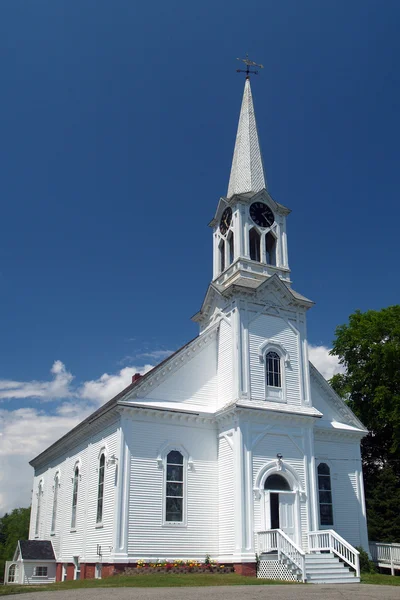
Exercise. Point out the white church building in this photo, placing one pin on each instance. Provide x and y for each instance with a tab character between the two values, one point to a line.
234	447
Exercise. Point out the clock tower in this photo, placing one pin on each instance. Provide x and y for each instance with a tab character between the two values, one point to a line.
249	226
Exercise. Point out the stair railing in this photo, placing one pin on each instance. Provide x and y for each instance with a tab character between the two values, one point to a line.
328	539
386	555
275	540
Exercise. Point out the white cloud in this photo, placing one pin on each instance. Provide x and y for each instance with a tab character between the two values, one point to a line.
105	387
326	364
58	387
157	354
26	432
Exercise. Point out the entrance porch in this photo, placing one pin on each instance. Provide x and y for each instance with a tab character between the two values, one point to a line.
329	558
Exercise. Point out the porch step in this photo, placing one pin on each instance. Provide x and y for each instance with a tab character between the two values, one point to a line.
327	568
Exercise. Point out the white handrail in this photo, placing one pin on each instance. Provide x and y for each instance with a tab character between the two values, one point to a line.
328	539
386	554
276	539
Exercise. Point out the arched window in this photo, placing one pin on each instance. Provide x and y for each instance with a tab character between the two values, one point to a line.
273	369
277	483
55	499
12	572
254	244
270	248
39	502
174	487
74	497
231	249
100	488
222	256
325	495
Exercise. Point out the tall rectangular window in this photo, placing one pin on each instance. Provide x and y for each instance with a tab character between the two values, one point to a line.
55	500
39	501
325	495
273	367
174	487
100	489
74	497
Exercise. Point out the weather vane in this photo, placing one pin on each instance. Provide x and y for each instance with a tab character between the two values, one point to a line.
249	63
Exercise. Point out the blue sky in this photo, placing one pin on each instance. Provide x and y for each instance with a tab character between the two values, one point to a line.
117	128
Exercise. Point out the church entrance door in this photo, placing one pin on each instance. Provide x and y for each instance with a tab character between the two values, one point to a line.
280	506
286	514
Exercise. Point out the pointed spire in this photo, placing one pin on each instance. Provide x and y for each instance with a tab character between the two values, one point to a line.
247	172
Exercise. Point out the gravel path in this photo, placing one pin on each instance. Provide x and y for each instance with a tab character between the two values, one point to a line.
234	592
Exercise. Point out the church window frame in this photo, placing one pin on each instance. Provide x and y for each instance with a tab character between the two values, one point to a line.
325	494
230	243
100	487
55	503
167	483
75	493
254	244
221	255
275	359
271	243
38	508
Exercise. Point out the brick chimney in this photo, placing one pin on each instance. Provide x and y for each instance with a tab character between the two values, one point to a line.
136	376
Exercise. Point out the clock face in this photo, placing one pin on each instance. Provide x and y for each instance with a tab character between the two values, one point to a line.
225	220
261	214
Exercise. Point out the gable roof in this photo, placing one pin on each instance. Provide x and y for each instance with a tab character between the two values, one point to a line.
108	406
337	402
36	550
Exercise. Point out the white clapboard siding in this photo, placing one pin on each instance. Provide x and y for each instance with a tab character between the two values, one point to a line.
274	329
226	498
147	535
68	543
225	364
30	579
194	383
344	467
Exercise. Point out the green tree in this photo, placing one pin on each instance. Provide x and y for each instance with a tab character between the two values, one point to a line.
13	527
369	348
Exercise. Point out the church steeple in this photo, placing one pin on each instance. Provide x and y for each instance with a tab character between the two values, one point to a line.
247	172
249	226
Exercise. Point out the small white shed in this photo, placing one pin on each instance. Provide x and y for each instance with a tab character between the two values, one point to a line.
33	562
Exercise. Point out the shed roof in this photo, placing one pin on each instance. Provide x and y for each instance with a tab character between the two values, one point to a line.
36	550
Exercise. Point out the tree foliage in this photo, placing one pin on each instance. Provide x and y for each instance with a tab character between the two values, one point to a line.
369	348
13	527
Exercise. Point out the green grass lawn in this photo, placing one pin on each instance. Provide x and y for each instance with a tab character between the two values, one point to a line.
153	580
378	579
173	580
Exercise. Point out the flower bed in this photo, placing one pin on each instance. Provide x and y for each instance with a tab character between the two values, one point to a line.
177	566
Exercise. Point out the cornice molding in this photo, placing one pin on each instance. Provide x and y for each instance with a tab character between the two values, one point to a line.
132	412
333	435
86	431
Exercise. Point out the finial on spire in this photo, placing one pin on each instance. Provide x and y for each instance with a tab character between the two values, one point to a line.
249	63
